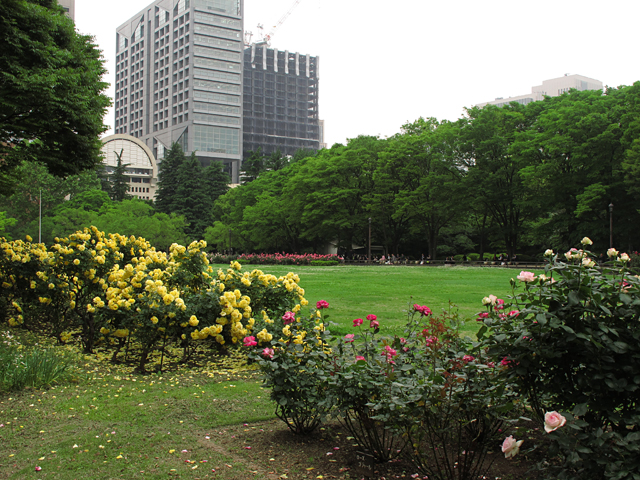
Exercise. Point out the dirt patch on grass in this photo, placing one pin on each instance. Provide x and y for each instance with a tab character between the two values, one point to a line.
330	453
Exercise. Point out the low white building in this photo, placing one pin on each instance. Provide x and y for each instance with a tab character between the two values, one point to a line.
551	88
142	169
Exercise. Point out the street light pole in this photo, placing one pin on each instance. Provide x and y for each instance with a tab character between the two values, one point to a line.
369	257
611	225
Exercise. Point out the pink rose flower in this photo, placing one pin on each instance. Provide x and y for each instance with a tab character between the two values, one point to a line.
499	304
357	322
553	421
267	352
349	338
250	341
482	316
374	324
389	353
38	469
514	313
371	317
504	362
322	304
510	447
468	358
289	317
423	309
526	276
359	357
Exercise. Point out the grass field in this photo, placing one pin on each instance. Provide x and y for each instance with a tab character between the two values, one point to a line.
387	291
112	424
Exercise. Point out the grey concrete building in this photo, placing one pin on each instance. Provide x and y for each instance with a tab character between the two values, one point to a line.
280	105
179	79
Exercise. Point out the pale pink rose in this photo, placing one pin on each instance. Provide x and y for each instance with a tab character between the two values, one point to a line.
526	276
612	253
268	352
586	241
587	262
548	253
624	257
553	421
493	299
349	338
510	447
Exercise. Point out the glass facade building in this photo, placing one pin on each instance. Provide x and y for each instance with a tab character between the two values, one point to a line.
280	106
179	79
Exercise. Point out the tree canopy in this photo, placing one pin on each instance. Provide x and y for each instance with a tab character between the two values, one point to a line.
51	90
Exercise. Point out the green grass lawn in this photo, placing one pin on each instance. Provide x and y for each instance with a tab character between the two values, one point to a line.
387	291
113	424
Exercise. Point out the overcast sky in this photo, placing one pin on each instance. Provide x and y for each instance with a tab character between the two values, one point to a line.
384	63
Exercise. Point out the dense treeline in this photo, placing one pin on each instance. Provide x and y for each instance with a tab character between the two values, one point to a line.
514	180
511	179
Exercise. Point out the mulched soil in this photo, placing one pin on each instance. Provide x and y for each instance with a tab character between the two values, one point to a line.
273	452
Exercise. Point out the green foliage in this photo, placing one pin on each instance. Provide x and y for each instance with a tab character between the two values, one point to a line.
112	291
119	181
292	367
572	346
35	367
51	100
324	263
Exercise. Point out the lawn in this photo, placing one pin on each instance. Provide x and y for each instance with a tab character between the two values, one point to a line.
201	423
387	291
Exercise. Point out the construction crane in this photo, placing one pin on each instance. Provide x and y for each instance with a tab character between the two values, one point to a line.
266	39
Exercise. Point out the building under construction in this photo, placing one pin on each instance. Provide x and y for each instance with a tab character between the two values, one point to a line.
280	105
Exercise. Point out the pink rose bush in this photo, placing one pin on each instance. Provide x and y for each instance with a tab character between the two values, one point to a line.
578	324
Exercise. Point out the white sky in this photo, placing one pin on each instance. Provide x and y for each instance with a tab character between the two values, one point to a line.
386	62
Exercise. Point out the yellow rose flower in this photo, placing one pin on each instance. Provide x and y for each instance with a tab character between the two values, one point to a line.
193	321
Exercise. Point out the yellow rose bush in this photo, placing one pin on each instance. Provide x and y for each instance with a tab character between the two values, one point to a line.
112	292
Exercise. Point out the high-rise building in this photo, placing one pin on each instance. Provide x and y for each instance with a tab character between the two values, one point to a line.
69	7
280	106
551	88
179	79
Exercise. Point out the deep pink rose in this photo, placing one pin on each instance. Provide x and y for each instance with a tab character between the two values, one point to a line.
349	338
468	358
371	317
289	317
514	313
357	322
374	324
553	421
482	316
423	309
322	304
389	353
359	357
505	362
250	341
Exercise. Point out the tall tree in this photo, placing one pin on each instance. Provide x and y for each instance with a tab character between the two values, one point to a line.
192	199
119	181
217	181
168	178
488	136
252	166
51	90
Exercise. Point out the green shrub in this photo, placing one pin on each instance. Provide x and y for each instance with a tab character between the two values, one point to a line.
292	367
35	367
571	342
324	263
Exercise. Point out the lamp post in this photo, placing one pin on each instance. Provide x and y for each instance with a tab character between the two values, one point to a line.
230	247
369	256
611	225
